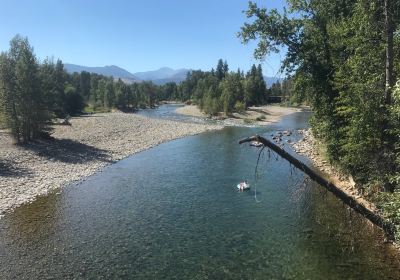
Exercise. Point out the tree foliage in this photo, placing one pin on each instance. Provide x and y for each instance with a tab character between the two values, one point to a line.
336	58
342	57
221	90
33	93
23	103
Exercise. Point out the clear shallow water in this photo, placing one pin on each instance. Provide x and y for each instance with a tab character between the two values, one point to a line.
167	111
172	212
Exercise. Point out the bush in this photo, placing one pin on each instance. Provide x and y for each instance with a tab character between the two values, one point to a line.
73	101
389	203
240	107
248	121
142	105
260	118
211	106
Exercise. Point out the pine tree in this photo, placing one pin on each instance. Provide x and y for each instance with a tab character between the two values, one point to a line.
9	116
220	71
59	90
25	108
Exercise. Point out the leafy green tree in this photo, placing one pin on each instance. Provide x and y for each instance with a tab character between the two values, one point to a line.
53	79
59	89
101	92
240	107
109	94
133	96
121	94
149	93
84	84
276	89
94	88
23	100
9	109
341	60
73	100
232	91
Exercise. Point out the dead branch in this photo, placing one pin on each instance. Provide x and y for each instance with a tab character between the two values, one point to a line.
375	218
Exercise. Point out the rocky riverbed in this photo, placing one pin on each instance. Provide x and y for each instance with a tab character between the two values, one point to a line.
256	115
308	147
78	151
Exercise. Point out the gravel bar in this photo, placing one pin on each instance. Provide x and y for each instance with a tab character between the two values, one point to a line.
78	151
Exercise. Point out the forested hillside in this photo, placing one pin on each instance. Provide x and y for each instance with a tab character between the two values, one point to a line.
343	57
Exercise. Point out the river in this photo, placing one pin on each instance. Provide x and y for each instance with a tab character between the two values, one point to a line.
173	212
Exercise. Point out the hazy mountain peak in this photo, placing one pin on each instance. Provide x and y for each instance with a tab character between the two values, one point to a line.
163	75
108	70
160	76
165	69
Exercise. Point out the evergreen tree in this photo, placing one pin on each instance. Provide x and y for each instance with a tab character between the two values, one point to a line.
220	70
23	100
59	90
232	91
84	84
109	95
9	116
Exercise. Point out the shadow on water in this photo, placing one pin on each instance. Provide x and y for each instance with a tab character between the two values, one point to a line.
68	151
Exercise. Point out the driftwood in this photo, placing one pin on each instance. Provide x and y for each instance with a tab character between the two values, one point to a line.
375	218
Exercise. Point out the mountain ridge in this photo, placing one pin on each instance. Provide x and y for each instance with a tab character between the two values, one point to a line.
108	70
160	76
163	75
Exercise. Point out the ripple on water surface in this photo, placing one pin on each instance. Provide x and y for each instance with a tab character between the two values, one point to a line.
173	212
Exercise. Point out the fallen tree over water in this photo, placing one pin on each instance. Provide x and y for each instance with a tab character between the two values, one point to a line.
375	218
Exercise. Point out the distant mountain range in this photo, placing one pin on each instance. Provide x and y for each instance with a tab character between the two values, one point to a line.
270	80
159	77
112	70
163	75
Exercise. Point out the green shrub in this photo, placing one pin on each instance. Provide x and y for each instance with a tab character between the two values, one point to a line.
240	107
389	203
260	118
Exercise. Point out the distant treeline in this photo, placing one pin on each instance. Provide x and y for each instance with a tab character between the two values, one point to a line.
284	90
34	93
220	90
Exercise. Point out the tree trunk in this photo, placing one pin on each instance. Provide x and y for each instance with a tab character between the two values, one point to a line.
350	201
387	141
389	83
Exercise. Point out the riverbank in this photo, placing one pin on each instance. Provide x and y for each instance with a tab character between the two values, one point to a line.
258	115
309	148
78	151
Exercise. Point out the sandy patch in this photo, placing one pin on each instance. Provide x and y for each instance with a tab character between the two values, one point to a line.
258	115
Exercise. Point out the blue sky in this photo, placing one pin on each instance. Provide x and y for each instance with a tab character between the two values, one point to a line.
136	35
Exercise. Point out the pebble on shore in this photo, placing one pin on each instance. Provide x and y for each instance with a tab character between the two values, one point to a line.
308	147
79	150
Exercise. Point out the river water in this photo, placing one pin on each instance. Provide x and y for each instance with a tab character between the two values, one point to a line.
173	212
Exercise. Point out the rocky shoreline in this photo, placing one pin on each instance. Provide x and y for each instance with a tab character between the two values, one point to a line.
309	148
256	115
78	151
